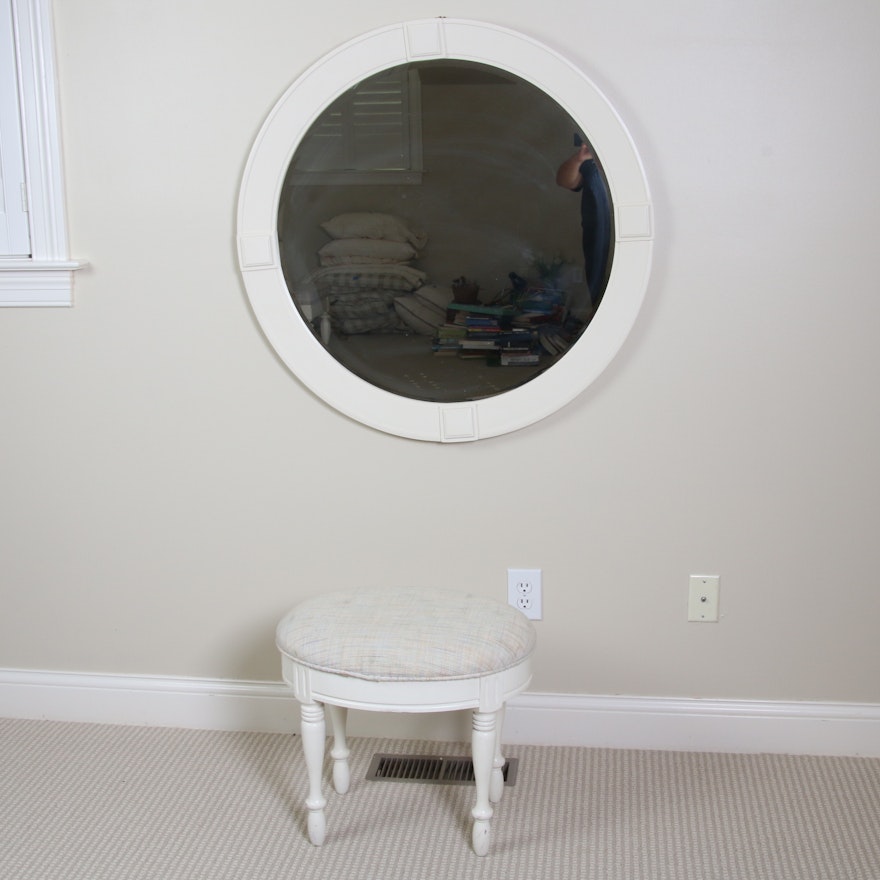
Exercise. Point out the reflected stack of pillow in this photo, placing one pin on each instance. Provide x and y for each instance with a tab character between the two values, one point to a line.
365	268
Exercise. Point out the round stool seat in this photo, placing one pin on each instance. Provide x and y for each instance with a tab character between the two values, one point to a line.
405	634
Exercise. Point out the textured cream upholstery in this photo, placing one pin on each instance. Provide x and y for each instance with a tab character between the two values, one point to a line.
405	634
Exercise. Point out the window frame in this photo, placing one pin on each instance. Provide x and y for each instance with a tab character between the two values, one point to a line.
45	278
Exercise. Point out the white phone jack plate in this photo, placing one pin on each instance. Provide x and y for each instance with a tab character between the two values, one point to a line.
703	598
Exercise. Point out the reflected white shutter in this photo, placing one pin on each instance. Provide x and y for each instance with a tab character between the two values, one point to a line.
373	128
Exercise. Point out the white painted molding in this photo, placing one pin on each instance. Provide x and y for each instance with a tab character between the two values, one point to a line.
694	725
661	723
150	701
46	277
34	283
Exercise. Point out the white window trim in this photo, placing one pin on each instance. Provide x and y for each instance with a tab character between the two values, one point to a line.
46	278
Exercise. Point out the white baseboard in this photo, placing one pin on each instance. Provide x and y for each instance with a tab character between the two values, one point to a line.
690	725
150	701
539	719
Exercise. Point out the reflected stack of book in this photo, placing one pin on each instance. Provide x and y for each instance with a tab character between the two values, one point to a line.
536	307
488	332
448	338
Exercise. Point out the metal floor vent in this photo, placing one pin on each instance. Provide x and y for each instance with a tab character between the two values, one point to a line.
436	769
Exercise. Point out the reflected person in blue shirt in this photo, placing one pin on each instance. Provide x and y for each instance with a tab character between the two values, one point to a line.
581	173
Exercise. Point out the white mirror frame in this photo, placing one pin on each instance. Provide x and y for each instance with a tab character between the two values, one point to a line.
282	322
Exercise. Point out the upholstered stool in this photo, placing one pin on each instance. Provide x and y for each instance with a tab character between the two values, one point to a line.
404	650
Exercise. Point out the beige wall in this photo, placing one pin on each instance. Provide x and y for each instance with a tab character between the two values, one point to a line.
168	488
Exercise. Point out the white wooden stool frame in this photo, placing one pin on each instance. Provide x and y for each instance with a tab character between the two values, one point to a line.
486	695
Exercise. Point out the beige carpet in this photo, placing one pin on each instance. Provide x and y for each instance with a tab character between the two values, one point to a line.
93	801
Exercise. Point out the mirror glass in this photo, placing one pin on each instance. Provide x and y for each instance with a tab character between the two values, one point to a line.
425	241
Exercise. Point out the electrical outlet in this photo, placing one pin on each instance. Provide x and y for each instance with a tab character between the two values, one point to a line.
703	598
524	591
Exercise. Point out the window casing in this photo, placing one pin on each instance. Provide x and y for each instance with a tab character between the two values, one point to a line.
42	275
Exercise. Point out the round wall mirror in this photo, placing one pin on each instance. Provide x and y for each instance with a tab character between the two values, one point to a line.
410	242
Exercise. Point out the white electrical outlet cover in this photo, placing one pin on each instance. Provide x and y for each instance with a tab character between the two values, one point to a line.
524	591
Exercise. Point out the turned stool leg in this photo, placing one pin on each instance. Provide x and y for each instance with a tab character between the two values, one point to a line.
313	734
340	751
496	786
483	753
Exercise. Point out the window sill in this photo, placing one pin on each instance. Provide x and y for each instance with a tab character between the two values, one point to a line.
26	283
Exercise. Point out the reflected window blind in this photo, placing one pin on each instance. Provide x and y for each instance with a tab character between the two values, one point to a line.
373	128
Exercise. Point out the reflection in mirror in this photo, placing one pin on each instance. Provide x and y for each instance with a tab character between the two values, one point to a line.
425	240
